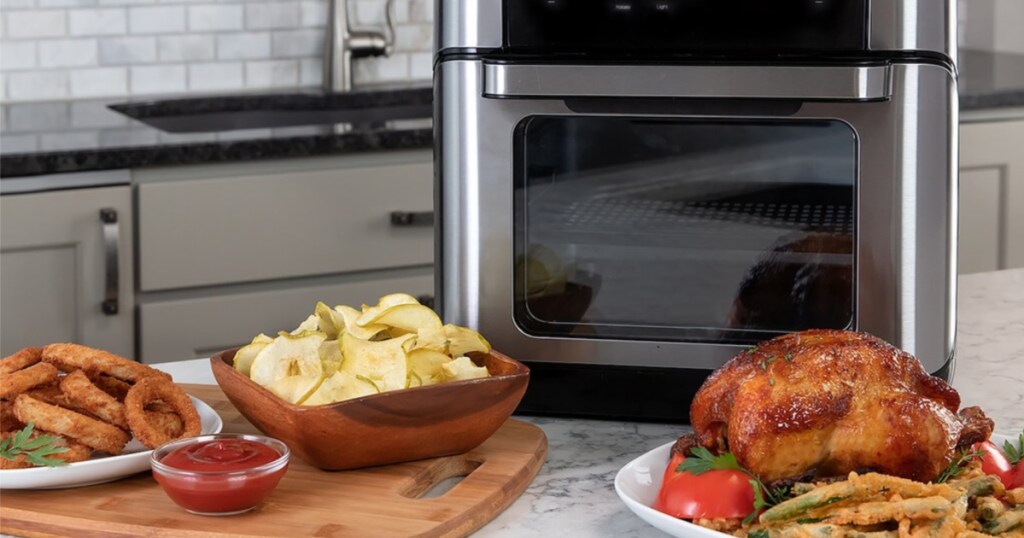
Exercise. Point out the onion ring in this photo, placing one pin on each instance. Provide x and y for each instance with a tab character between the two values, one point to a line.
75	451
21	381
7	419
151	389
167	423
71	424
82	394
71	357
52	395
112	386
22	359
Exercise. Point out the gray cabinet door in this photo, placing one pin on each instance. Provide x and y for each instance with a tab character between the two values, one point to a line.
197	326
991	196
226	230
54	267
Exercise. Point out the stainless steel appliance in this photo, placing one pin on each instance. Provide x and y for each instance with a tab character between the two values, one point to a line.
632	191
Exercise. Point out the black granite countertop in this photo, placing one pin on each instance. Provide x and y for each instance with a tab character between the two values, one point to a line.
990	79
79	136
88	135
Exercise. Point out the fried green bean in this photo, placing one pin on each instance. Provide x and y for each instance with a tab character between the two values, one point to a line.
1008	521
982	486
870	513
989	508
827	530
818	498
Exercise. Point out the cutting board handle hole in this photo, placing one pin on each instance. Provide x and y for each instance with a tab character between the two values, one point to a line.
440	477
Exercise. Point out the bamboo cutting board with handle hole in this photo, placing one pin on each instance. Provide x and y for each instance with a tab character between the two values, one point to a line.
378	502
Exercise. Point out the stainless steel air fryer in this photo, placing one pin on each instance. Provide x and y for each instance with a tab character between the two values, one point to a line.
632	191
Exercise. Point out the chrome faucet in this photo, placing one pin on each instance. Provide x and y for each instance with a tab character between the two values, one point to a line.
343	43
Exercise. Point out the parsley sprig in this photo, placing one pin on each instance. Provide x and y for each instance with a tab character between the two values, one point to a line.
1014	454
959	464
701	460
35	450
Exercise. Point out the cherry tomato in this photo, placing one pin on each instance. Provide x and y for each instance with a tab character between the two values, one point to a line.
1014	478
994	462
713	494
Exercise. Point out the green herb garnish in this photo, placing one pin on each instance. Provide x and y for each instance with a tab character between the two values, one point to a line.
703	460
35	450
959	465
1014	453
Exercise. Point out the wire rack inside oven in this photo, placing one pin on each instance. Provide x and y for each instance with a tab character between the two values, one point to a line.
717	224
615	215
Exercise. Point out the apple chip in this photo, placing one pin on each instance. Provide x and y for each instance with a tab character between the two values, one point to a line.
287	356
407	318
385	302
350	315
462	340
432	339
329	321
384	363
330	356
295	388
338	387
310	324
244	356
463	368
426	365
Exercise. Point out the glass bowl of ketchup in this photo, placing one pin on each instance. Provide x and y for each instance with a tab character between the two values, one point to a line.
221	474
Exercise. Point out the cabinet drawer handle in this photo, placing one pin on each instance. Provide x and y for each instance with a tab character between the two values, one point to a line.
111	237
412	218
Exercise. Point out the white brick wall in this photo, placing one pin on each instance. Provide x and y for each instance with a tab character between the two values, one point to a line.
71	49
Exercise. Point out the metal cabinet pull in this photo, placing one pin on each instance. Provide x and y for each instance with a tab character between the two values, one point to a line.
111	237
412	218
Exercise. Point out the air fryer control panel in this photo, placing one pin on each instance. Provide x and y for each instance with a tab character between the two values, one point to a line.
626	27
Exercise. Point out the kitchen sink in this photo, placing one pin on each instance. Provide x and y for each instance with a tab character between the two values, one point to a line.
228	113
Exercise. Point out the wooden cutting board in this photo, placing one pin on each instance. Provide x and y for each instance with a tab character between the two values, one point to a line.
379	502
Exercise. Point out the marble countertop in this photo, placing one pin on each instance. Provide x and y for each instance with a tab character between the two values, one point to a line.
573	495
81	136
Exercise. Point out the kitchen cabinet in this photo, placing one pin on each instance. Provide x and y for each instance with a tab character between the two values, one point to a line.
66	269
199	326
991	195
229	251
251	227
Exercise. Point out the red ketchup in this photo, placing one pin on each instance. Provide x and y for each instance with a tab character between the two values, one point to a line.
219	476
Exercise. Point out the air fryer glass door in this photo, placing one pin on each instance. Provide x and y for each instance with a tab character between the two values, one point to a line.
683	229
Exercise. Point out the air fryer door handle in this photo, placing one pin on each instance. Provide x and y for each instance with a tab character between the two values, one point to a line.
808	83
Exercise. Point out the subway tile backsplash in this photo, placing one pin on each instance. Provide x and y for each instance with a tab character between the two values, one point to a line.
78	49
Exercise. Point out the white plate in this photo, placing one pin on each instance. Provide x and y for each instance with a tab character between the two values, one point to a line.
639	481
135	459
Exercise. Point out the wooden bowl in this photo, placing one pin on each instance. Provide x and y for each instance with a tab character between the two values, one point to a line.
391	427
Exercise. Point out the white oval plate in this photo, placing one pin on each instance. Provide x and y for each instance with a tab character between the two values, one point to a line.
639	481
135	459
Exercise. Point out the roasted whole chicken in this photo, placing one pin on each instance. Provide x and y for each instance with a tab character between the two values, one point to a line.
822	403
